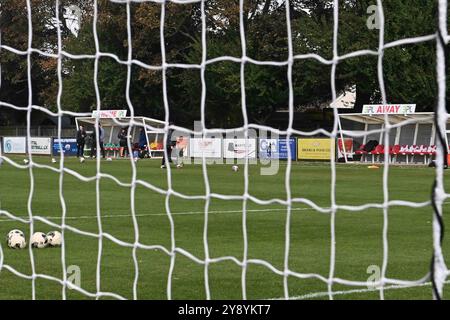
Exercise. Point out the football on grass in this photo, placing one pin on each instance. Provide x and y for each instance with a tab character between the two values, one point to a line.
16	239
39	240
235	168
54	238
13	232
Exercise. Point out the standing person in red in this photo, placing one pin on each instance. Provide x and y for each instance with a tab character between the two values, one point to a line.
81	140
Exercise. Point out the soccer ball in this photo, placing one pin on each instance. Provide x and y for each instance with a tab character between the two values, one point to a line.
54	238
235	168
53	160
17	240
39	240
108	159
25	161
13	232
81	160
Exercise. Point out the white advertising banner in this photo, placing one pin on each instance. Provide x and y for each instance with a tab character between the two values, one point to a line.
208	147
388	108
41	145
239	148
109	113
14	145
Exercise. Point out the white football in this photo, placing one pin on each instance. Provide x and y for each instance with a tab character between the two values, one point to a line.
53	160
13	232
54	238
235	168
39	240
81	160
108	159
17	241
25	161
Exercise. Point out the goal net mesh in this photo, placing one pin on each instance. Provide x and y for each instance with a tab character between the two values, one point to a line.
438	272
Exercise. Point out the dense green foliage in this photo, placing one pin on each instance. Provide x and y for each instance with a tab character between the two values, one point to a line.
409	71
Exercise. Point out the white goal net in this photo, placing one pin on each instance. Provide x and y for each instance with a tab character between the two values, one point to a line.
435	278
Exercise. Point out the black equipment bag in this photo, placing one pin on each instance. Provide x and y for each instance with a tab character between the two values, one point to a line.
371	145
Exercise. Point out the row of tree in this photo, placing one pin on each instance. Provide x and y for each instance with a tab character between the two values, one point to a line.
409	71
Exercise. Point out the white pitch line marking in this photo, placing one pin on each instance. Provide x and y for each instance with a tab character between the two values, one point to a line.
354	291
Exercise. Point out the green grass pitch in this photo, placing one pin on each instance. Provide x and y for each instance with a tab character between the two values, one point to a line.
359	242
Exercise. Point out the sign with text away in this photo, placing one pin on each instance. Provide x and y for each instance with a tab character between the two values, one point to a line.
277	148
315	149
389	109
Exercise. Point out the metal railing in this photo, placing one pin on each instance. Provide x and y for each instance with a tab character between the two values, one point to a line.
36	131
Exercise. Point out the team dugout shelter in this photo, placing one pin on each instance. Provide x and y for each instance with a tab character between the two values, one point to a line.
113	121
412	141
